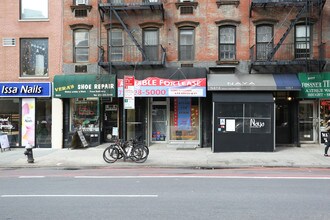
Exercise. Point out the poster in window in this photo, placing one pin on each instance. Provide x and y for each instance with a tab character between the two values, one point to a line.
230	124
28	122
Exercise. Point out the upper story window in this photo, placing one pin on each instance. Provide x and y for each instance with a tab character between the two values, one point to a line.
302	41
34	9
150	43
186	43
116	45
81	45
264	41
227	44
34	57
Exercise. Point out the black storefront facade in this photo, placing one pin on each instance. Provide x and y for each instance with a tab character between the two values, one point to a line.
245	111
89	105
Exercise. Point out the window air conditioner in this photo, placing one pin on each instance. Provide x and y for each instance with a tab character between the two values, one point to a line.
81	2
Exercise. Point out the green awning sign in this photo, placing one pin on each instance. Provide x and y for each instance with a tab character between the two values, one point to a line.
314	85
84	86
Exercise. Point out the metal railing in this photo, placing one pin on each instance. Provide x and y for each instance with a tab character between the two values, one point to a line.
287	52
131	54
134	2
282	1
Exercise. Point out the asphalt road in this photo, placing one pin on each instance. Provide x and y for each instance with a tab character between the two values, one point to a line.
164	194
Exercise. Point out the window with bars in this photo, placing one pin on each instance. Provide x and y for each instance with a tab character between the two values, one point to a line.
302	41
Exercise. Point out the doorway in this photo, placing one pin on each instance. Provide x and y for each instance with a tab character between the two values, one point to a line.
110	122
308	126
159	122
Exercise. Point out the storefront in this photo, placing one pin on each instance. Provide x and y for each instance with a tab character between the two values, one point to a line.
314	106
245	110
25	113
89	105
167	105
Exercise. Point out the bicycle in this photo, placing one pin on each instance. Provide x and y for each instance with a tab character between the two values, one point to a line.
135	150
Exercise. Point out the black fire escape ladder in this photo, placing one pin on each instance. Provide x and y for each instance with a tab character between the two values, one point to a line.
299	15
129	33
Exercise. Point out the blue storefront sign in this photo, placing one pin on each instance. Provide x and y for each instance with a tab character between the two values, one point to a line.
31	89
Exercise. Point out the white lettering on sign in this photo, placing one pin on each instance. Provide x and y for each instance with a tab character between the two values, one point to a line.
85	86
24	90
9	90
256	124
240	83
31	90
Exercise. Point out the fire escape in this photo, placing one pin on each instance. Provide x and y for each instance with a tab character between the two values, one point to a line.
289	55
137	53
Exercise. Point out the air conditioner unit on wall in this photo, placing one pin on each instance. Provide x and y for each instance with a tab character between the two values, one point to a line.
81	2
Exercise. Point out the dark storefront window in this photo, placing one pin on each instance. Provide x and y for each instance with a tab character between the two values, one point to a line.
244	118
85	114
9	119
44	122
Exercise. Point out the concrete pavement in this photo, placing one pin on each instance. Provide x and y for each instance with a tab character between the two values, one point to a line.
309	155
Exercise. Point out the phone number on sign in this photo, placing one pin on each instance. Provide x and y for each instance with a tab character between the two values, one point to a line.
147	92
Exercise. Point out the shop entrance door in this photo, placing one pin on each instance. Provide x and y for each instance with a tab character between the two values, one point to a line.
159	128
307	122
110	122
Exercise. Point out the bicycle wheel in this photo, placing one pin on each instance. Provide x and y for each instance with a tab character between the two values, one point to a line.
110	154
140	154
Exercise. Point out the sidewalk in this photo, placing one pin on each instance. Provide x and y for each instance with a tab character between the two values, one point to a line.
164	156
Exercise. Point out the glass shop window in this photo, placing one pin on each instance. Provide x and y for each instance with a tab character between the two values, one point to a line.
243	117
85	114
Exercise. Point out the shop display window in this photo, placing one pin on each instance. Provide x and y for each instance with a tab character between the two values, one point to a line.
184	121
9	120
244	117
85	114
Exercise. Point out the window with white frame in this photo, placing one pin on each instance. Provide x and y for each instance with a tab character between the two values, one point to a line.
33	9
81	45
227	47
264	41
186	44
34	57
116	45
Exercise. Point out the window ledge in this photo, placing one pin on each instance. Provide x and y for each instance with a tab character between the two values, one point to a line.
34	20
81	7
227	62
179	4
33	77
227	2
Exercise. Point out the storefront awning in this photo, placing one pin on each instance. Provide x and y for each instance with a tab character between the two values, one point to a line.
166	82
244	82
287	82
253	82
84	86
